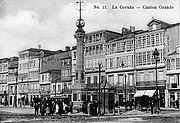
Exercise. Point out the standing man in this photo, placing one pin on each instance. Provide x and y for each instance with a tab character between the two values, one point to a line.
152	106
177	104
36	105
71	106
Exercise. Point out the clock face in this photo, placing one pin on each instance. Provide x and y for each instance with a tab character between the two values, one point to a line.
80	23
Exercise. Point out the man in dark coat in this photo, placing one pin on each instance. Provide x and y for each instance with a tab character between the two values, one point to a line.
43	106
177	103
85	106
36	105
60	104
71	106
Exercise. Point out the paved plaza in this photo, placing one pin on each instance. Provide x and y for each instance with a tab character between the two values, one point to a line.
26	114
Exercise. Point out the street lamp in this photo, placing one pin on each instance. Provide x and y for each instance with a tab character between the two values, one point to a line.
105	82
156	57
122	64
99	110
15	99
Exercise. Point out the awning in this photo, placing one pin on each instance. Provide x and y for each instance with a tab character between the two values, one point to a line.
149	93
139	93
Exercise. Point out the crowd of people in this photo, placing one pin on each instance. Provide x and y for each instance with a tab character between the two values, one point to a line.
49	106
46	106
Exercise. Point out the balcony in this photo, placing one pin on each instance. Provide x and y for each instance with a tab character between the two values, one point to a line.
94	85
66	90
150	83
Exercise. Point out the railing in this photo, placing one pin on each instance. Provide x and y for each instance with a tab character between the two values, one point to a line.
151	83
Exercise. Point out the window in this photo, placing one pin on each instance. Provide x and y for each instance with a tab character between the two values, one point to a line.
118	46
177	63
88	80
148	57
101	48
151	76
154	27
129	61
86	39
161	39
93	50
168	64
59	88
139	43
75	97
53	89
95	79
111	79
101	37
90	39
152	40
111	62
172	79
118	62
131	79
65	74
144	58
120	80
90	50
141	77
75	55
161	75
144	42
113	48
97	49
140	59
172	64
123	46
137	59
42	78
148	41
157	39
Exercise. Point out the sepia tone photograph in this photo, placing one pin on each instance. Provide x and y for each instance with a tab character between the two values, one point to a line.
89	61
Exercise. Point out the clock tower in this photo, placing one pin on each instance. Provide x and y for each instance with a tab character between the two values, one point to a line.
79	83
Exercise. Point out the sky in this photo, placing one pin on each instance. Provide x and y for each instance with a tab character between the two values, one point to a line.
51	23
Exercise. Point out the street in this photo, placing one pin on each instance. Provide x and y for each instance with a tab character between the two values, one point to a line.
26	114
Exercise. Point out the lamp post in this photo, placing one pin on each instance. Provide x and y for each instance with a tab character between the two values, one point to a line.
15	99
99	110
125	86
156	57
105	82
122	64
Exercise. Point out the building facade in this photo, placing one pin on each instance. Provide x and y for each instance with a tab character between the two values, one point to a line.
173	77
4	79
59	69
130	64
29	72
12	83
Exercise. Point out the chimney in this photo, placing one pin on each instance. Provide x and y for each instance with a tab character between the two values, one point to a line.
132	28
67	48
39	46
125	31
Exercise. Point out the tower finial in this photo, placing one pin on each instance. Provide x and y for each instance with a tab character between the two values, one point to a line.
80	2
